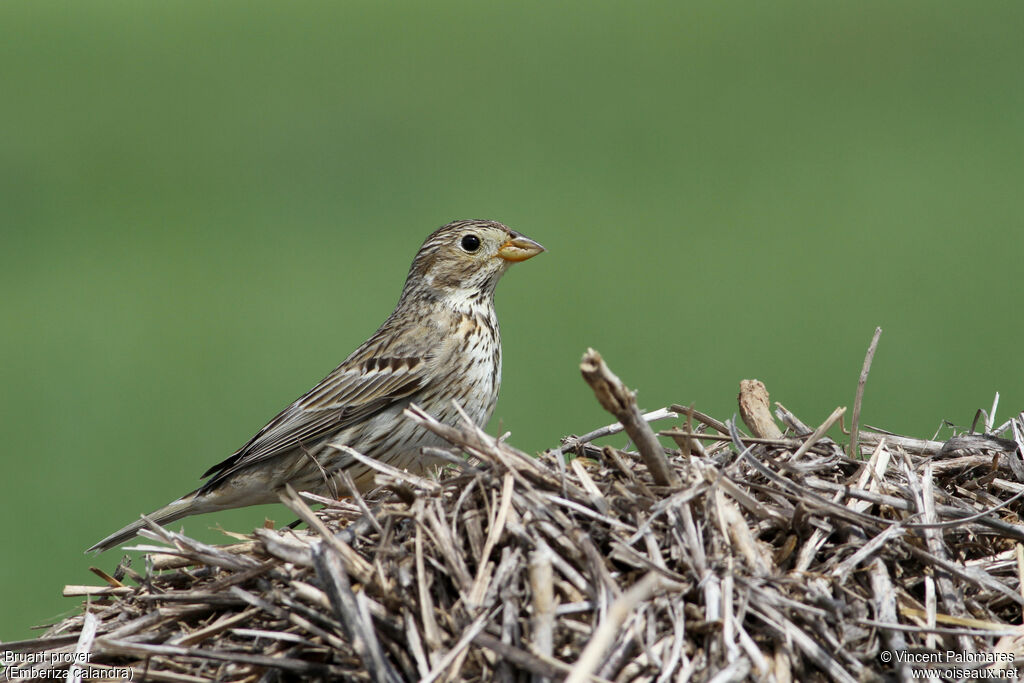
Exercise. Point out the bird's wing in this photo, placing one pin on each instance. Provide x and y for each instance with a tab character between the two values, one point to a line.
350	394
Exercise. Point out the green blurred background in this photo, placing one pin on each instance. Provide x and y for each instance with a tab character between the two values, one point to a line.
206	206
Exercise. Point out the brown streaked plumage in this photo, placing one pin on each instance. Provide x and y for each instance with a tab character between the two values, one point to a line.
440	343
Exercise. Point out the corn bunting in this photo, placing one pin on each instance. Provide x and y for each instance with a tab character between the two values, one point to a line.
440	343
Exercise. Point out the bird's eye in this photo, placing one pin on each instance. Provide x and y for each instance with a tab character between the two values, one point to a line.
470	243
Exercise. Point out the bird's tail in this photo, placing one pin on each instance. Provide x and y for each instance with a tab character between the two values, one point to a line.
191	504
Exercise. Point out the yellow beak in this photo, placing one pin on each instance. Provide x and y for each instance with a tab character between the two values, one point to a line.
519	248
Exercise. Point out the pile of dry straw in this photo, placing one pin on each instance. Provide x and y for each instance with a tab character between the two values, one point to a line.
771	557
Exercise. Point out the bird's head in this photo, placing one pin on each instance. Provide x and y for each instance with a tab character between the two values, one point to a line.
464	260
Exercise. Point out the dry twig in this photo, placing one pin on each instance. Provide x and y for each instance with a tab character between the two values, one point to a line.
757	558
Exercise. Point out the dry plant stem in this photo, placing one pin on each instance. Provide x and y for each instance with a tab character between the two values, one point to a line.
353	616
755	410
884	594
614	397
703	418
143	650
222	624
384	468
937	545
84	646
736	672
353	492
542	584
571	443
819	432
843	570
735	528
106	577
859	398
678	433
912	446
541	666
811	547
513	567
427	609
930	608
876	465
1019	556
787	630
686	444
947	449
354	564
458	650
1014	457
791	421
620	610
872	475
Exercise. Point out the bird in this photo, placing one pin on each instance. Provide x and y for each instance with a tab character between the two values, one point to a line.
440	346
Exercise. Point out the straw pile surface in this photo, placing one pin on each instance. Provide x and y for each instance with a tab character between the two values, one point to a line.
728	557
